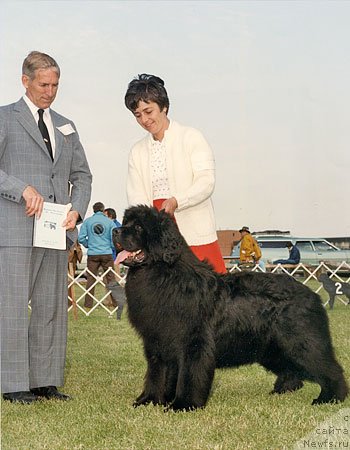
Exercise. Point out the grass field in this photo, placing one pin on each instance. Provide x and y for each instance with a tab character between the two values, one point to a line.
105	369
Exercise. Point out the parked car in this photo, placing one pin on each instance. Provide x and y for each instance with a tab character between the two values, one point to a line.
312	250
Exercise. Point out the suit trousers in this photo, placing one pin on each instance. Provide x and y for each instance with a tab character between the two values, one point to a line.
33	346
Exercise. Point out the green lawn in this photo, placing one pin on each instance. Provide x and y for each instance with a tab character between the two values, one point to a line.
105	369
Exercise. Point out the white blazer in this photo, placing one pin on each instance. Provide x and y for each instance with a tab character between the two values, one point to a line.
191	175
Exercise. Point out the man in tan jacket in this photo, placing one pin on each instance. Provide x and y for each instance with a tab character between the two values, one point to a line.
250	251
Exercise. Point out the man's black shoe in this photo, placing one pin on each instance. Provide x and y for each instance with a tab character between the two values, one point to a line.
20	397
49	392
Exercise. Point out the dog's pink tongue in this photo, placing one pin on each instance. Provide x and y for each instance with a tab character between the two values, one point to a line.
122	256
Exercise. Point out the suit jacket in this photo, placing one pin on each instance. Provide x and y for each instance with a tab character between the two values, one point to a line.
25	160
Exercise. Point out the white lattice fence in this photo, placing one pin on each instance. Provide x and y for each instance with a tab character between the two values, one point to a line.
338	274
77	291
306	274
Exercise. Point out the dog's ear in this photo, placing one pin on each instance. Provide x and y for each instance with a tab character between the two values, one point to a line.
172	242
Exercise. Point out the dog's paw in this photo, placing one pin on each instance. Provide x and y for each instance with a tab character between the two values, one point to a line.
288	387
142	399
137	403
178	406
323	400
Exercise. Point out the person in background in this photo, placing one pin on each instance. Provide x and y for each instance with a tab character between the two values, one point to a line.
75	255
294	255
118	290
173	169
96	235
250	251
40	156
112	215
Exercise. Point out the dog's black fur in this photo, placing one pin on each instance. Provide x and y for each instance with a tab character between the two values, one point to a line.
193	320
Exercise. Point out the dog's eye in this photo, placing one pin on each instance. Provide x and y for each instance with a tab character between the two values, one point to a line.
138	228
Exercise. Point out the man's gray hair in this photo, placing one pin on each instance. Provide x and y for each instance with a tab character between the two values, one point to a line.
37	60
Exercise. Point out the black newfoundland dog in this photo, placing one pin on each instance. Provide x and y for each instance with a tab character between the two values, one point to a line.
193	320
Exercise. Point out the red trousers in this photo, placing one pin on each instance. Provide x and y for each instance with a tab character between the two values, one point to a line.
210	252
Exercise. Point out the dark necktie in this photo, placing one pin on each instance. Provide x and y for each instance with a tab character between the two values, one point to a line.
44	132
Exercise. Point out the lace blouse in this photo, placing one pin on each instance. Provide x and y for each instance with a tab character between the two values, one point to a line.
159	173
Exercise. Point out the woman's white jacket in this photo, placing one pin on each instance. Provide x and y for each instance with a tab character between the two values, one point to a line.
191	175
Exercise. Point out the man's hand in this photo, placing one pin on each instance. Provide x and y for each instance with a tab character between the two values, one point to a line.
71	220
170	205
34	201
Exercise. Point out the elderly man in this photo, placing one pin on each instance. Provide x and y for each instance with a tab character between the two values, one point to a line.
40	157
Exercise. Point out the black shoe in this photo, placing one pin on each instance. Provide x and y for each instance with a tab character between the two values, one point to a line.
20	397
49	392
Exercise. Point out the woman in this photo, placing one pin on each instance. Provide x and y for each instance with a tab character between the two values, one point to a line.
173	169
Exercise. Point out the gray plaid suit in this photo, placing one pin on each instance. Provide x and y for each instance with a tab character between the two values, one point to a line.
33	354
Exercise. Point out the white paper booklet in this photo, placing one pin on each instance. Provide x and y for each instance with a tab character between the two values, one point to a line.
48	230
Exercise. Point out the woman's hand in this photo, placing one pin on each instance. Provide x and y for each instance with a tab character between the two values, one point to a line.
169	205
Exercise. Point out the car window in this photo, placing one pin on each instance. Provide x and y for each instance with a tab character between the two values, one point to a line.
304	246
235	250
322	246
272	244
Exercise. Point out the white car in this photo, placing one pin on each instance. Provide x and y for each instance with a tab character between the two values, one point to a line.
312	250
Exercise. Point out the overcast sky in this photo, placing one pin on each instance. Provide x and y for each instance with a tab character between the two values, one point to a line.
266	82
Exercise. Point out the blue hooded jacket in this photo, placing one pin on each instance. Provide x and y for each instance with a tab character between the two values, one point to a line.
96	234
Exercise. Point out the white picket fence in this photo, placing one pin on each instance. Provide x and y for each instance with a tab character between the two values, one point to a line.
304	273
77	291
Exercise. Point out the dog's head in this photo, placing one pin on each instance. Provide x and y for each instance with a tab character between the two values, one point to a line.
147	236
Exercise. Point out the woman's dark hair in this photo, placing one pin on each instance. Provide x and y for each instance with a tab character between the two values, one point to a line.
146	88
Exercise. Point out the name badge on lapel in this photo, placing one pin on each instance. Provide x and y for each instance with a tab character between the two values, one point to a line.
66	129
